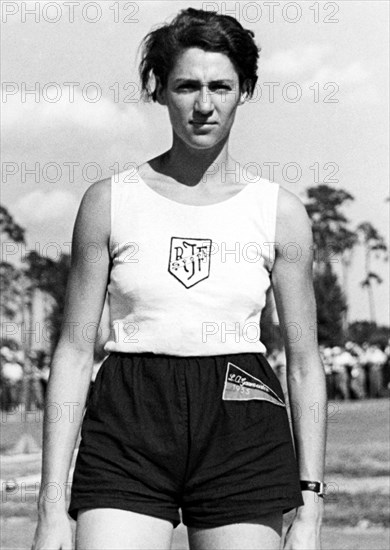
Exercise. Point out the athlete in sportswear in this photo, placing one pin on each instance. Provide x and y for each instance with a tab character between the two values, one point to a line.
186	411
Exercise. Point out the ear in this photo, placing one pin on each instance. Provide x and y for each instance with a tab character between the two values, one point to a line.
244	94
160	92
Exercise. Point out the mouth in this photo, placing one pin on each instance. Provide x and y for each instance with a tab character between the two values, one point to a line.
201	123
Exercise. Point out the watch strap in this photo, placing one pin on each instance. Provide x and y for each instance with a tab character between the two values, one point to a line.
315	486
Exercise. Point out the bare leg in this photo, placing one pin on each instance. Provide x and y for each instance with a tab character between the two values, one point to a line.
262	534
115	529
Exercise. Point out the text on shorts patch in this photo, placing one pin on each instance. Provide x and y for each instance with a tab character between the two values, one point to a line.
242	386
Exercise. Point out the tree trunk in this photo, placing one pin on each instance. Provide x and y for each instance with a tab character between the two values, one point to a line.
371	302
370	293
345	263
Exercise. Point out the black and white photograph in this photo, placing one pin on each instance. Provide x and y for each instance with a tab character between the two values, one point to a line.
195	327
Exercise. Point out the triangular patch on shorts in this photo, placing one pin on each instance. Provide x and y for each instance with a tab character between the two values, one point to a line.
243	386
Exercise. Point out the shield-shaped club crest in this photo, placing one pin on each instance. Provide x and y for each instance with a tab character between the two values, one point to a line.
189	260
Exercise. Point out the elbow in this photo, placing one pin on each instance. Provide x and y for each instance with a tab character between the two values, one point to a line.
72	355
304	366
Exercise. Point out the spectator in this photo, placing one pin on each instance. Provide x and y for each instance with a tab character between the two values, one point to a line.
376	360
12	377
44	374
326	356
386	369
357	381
340	374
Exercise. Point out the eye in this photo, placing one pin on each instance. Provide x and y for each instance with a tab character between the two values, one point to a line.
220	87
186	87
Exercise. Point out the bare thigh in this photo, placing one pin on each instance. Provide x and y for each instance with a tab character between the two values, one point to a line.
115	529
261	534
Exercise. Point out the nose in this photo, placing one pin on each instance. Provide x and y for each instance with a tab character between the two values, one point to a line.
203	103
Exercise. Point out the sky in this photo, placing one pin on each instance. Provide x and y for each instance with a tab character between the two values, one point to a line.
319	114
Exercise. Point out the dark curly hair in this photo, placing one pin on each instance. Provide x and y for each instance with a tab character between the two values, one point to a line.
193	28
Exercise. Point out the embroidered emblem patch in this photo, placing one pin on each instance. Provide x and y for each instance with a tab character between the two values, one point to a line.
242	386
189	260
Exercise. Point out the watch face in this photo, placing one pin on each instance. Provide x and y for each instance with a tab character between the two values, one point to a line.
316	486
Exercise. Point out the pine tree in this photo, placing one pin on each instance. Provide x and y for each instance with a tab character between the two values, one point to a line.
331	305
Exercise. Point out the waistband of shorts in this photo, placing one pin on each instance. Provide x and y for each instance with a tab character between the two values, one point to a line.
150	354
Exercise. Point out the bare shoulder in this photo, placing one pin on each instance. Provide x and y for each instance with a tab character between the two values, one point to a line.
94	215
87	282
292	220
98	194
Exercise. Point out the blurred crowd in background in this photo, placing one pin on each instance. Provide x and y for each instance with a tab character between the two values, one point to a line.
23	380
352	372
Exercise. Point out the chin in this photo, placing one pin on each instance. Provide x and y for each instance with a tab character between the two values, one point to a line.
202	142
201	146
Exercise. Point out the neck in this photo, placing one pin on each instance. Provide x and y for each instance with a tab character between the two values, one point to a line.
191	166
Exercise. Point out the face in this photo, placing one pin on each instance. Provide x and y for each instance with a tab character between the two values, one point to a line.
202	96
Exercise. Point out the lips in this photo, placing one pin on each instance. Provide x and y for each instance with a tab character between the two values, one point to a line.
201	122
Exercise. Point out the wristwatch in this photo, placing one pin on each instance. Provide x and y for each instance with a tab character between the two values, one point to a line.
316	486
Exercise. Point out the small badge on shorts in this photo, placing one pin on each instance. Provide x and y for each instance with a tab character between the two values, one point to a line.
242	386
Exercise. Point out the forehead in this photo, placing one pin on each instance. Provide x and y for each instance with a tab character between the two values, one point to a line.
195	63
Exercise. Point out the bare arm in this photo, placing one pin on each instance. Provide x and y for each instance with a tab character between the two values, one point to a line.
294	297
72	362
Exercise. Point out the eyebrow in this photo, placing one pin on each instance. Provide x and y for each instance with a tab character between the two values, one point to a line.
195	81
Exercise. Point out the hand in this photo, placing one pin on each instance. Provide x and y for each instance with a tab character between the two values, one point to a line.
305	529
303	534
54	533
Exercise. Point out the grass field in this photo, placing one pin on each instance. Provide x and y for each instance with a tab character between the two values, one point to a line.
357	466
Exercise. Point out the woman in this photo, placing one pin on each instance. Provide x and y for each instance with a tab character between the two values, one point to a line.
186	412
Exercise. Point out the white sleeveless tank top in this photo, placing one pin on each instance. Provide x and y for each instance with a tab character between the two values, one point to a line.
189	280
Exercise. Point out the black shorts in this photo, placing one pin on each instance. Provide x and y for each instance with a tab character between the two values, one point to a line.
209	435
